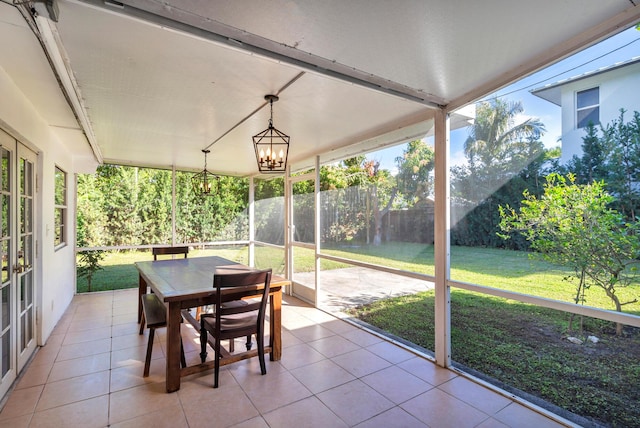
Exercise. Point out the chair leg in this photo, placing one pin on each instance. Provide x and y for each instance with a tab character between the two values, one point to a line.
260	340
147	361
183	360
249	344
217	363
142	322
232	345
203	344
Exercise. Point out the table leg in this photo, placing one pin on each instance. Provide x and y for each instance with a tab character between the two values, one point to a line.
173	347
142	289
275	323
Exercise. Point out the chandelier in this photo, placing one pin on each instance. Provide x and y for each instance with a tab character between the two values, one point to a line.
271	145
203	181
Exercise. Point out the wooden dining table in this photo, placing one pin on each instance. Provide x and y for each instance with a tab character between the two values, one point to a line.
187	283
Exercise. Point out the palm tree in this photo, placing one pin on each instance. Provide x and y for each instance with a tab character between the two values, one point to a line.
495	138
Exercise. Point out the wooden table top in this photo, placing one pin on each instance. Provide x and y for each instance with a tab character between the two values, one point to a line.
179	279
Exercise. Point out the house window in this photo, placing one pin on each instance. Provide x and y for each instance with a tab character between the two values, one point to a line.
588	107
60	228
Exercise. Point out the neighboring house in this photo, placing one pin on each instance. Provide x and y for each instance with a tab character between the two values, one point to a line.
596	96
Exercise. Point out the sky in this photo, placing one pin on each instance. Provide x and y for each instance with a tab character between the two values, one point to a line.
621	47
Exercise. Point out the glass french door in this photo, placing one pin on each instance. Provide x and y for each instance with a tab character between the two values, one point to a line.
17	243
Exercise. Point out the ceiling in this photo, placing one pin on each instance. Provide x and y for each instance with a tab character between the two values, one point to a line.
153	82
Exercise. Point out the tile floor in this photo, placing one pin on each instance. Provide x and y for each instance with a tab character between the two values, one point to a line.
332	374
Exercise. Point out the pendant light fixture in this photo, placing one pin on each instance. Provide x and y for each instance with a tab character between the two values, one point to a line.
204	181
271	145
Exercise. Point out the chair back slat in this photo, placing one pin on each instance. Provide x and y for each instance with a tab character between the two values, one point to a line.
161	251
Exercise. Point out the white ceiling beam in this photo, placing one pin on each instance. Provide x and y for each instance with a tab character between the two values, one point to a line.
62	69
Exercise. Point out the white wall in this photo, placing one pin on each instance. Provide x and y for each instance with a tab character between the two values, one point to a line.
619	88
55	273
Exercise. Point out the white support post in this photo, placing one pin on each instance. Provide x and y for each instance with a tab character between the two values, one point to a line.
288	227
252	218
174	204
441	241
316	226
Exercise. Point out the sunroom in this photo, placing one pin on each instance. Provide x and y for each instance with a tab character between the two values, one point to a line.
153	84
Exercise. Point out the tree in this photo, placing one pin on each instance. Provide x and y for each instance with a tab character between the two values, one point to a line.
592	165
504	157
572	225
415	166
495	139
624	162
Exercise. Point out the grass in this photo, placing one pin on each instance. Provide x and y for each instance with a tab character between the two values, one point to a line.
119	271
508	270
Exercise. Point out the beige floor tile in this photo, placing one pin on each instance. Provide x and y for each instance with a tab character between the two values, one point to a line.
361	337
126	307
90	323
19	422
361	362
131	340
309	413
289	339
21	402
427	370
46	355
133	402
35	375
492	423
396	384
437	408
127	318
84	349
333	345
477	395
300	355
126	328
390	352
321	376
131	375
293	321
218	408
395	417
171	417
87	335
339	326
268	393
355	402
516	415
55	339
257	422
249	370
86	414
75	389
80	366
129	356
312	332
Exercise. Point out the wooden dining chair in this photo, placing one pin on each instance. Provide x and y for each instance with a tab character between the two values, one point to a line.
161	251
164	251
231	321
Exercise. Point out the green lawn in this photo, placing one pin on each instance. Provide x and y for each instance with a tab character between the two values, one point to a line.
120	272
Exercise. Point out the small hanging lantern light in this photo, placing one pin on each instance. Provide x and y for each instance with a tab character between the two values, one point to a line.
271	145
203	181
